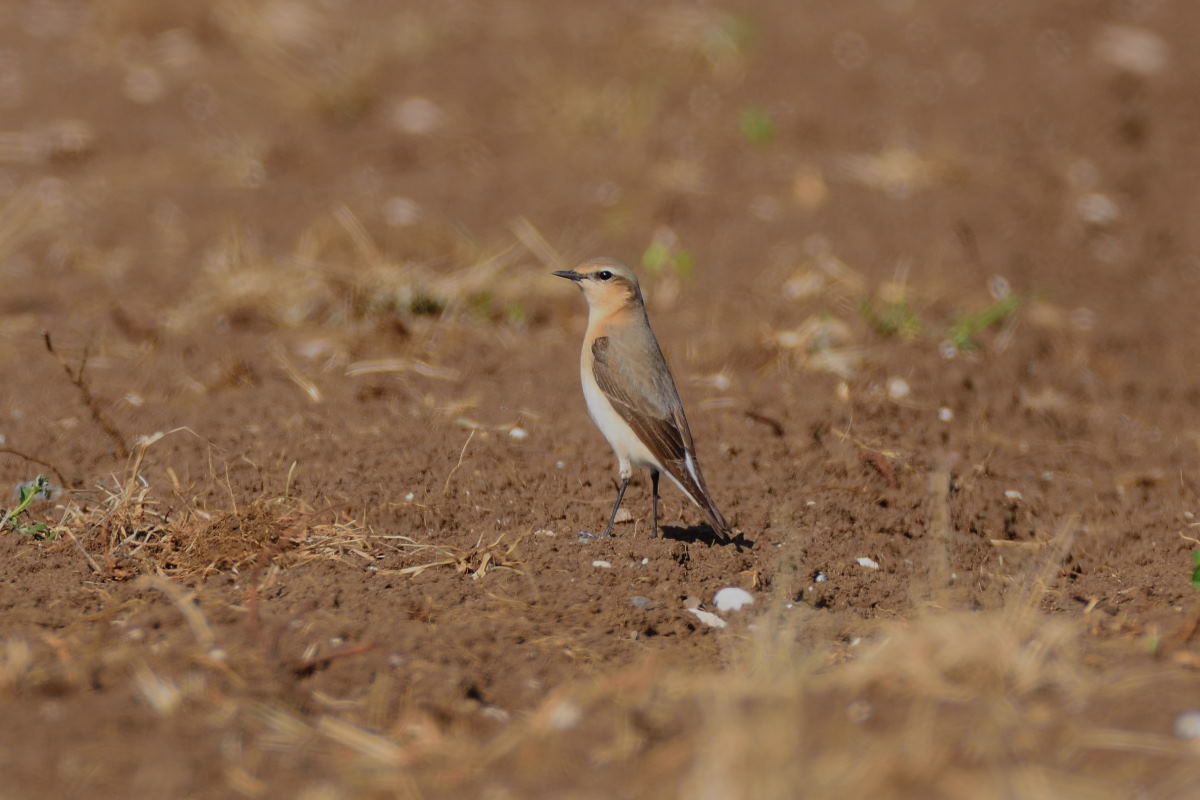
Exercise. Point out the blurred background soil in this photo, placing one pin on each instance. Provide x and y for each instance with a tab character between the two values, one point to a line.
925	270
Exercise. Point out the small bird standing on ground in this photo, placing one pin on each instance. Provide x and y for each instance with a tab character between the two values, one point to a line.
629	390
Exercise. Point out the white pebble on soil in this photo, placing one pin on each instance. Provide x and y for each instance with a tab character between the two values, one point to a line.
898	388
598	564
518	433
1187	725
868	563
708	618
731	598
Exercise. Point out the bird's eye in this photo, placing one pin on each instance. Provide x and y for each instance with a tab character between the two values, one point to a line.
603	274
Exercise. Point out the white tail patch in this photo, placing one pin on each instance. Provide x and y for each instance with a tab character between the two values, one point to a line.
690	463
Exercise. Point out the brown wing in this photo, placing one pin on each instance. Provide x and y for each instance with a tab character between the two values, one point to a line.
640	388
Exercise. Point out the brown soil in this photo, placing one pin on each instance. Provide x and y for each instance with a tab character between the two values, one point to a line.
322	458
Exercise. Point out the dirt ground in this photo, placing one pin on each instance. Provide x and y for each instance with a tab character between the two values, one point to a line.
926	272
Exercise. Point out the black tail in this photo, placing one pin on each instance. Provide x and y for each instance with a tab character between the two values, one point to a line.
697	492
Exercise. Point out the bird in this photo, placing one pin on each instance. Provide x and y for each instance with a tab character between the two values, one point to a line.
630	393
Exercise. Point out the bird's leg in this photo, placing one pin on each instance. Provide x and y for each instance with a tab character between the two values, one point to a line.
654	504
620	494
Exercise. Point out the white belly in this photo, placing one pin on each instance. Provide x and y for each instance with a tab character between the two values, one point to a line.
624	442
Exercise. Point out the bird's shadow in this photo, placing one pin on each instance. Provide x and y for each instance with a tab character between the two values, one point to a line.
704	534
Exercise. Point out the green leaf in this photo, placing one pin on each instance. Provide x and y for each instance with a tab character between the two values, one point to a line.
1196	569
684	264
756	126
656	257
962	333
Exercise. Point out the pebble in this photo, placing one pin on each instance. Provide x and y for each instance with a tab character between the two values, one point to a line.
731	598
821	577
868	563
623	515
518	433
1132	49
564	716
494	712
708	618
638	601
945	414
584	536
601	564
1013	494
898	388
1187	725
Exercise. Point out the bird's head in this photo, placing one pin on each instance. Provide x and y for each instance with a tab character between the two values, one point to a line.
607	284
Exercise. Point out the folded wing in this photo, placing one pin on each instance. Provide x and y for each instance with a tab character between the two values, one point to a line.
641	390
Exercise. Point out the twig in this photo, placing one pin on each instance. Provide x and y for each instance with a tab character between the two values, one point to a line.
98	415
533	240
300	379
310	665
940	529
91	561
463	452
183	601
775	425
62	481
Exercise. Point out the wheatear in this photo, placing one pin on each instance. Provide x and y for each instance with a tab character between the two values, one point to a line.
629	390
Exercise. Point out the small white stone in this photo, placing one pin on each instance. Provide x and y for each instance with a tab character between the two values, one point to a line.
645	561
822	577
868	563
416	115
519	433
731	598
494	712
945	414
544	532
708	618
401	211
1097	209
1013	494
599	564
409	497
811	503
623	515
1132	49
560	464
1187	725
898	388
564	716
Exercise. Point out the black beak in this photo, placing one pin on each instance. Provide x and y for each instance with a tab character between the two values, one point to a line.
569	274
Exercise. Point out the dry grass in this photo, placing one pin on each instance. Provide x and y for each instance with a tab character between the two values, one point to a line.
948	703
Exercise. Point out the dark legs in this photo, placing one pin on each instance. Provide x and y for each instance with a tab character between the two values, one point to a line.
654	503
613	516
